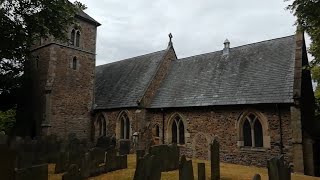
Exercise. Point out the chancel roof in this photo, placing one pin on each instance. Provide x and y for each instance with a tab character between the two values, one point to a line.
256	73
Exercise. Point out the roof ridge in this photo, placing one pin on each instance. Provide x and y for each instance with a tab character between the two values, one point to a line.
237	47
131	58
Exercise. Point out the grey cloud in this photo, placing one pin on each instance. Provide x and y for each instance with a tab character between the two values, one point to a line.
135	27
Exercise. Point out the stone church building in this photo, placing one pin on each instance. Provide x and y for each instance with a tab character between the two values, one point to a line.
256	99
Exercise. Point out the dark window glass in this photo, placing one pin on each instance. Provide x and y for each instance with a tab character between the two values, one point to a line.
74	63
258	135
122	128
247	133
157	131
174	132
181	132
78	39
73	34
127	127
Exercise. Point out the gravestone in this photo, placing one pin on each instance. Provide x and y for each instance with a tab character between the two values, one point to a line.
139	154
7	164
168	154
110	161
97	155
37	172
86	166
124	147
201	171
148	168
278	169
256	177
185	169
62	164
106	142
215	160
73	173
122	162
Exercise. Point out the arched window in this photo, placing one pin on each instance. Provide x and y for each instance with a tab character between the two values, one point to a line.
74	63
102	126
252	131
78	39
124	126
177	131
156	130
72	37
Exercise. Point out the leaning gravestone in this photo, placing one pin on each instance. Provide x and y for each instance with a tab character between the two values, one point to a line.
215	160
278	169
38	172
201	171
7	164
124	147
185	169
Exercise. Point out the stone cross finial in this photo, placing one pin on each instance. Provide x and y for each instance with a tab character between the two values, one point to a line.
170	39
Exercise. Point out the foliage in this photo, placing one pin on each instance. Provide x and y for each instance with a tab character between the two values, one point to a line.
7	120
308	13
22	22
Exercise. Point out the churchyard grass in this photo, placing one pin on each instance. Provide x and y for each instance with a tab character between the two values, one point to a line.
228	172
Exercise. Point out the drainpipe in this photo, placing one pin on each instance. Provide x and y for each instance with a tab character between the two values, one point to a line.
162	110
280	129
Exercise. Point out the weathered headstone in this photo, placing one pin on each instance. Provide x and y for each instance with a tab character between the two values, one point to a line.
86	166
7	164
106	142
73	173
168	154
256	177
37	172
62	164
215	160
124	147
98	155
110	161
139	154
185	169
148	168
278	169
201	171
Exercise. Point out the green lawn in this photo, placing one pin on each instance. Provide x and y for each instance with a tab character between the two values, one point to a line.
228	171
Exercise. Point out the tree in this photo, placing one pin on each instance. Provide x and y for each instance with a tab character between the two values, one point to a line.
308	13
21	23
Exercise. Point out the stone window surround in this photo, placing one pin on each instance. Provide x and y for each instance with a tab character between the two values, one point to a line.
118	124
96	126
74	58
74	37
265	131
169	128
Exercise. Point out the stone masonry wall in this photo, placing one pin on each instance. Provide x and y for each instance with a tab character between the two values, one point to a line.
203	124
65	95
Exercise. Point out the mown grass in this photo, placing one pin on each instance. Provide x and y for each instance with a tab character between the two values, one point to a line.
228	172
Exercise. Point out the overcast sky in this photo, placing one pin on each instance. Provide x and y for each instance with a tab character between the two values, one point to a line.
136	27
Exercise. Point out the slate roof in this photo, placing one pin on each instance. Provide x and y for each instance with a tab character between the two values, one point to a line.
122	83
82	15
251	74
